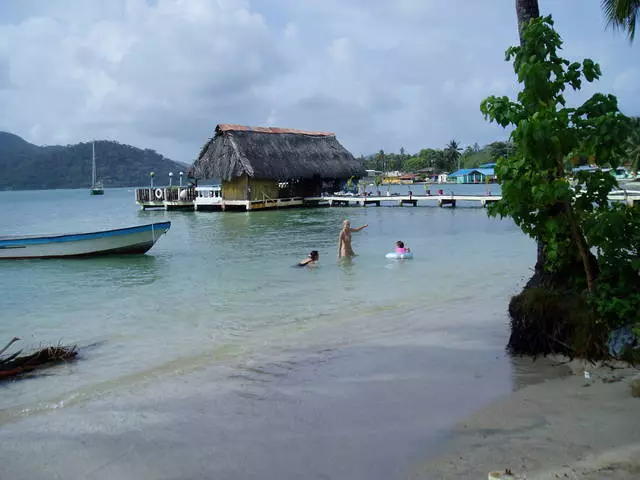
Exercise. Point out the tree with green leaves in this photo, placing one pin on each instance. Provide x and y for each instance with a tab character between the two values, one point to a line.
632	145
381	160
622	14
414	164
619	14
452	154
500	149
536	192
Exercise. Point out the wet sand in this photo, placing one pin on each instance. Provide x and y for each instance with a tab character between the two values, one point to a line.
359	412
565	427
420	405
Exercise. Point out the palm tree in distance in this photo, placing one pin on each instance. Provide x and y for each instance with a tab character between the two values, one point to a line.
622	14
453	153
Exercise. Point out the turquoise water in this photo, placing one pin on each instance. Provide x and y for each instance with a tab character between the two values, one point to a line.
222	286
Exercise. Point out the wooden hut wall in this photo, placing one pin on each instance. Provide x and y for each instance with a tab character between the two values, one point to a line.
235	189
261	188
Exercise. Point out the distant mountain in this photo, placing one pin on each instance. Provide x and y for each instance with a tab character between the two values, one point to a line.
26	166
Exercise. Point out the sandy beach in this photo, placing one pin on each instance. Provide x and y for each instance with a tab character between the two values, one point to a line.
352	413
566	427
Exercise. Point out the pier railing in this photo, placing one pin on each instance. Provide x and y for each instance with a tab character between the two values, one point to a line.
159	195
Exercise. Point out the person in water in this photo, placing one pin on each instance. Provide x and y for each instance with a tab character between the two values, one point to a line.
344	239
311	259
400	248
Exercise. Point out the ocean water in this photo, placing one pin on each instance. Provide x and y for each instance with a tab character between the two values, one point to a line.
222	287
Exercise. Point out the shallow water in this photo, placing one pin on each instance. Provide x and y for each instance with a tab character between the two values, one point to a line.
220	288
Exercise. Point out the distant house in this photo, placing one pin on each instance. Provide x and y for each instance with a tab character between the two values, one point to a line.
443	178
407	178
472	175
255	163
620	173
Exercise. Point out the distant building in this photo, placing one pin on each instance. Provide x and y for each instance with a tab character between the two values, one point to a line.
443	178
255	163
472	175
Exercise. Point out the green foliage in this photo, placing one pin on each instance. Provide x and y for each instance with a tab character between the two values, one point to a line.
413	164
622	14
28	166
452	155
546	132
615	233
439	160
632	145
499	150
536	191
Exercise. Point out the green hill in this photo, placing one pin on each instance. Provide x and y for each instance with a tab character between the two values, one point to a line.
27	166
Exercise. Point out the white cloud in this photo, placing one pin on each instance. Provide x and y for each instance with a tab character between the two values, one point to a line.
162	73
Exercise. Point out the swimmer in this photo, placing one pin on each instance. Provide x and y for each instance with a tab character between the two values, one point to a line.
311	260
344	239
400	248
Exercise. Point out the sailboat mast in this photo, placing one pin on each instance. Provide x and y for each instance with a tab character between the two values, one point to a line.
93	164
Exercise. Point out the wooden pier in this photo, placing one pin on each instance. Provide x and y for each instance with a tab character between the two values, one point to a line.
174	198
183	198
442	200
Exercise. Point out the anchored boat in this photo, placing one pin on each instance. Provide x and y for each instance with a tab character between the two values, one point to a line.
96	187
131	240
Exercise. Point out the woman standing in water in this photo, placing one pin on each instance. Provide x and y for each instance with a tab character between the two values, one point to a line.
344	240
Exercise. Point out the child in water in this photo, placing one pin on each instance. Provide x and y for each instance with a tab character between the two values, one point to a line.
311	260
400	248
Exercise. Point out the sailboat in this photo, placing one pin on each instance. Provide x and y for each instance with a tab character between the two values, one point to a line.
96	187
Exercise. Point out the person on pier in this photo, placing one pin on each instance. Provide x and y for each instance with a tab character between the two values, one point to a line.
344	239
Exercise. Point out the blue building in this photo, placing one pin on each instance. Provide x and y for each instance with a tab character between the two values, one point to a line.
481	174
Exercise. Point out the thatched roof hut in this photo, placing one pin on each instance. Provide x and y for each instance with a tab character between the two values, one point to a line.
276	154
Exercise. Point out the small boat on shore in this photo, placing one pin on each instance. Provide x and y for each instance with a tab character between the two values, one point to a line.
131	240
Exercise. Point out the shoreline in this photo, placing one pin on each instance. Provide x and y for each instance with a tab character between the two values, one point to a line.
430	402
567	427
354	412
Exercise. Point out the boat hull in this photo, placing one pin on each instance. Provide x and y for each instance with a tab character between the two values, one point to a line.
132	240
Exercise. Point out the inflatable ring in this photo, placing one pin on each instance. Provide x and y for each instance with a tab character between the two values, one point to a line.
158	193
399	255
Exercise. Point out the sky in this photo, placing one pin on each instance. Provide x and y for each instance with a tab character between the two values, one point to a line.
162	74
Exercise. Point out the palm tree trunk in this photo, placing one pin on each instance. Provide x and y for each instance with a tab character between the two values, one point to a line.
526	11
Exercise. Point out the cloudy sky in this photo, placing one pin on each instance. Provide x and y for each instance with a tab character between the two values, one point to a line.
381	74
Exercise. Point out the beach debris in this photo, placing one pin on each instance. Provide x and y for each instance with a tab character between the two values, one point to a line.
505	475
620	339
14	364
612	379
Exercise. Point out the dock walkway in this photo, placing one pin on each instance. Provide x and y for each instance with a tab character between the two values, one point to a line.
413	200
183	198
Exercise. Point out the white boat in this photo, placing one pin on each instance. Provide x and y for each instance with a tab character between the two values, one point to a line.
96	187
208	198
131	240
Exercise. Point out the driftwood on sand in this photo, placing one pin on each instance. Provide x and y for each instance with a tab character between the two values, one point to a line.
15	364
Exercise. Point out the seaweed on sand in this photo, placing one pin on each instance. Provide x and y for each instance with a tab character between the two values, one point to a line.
14	364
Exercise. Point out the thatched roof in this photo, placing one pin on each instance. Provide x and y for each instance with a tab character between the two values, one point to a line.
274	153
